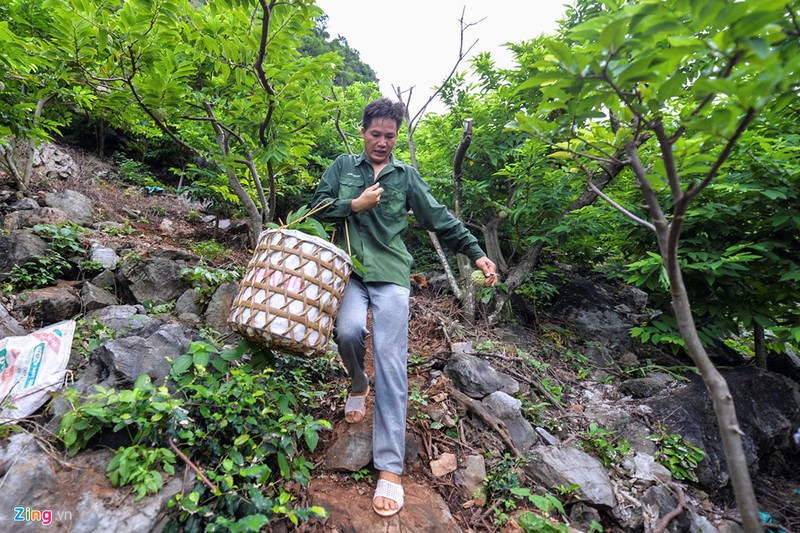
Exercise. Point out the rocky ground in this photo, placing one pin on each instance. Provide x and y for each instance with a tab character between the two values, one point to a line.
572	375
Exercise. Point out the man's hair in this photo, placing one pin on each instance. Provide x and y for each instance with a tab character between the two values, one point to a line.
383	108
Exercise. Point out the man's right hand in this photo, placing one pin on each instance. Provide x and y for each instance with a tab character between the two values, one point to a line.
369	199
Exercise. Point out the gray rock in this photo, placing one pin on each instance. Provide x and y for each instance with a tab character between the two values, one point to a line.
31	217
462	347
767	407
582	516
9	327
77	206
476	378
661	500
157	280
24	204
80	497
219	308
508	409
105	280
592	310
470	476
622	423
642	387
17	248
48	305
120	318
187	303
643	467
547	437
94	297
53	162
104	255
124	359
352	447
553	466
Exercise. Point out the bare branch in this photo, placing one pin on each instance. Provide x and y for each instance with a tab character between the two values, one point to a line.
341	131
458	161
621	209
412	123
669	159
673	514
191	465
261	75
649	193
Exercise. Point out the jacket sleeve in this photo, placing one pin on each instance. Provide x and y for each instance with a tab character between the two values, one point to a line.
327	194
437	218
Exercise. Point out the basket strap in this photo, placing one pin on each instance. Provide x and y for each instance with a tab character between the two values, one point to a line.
347	235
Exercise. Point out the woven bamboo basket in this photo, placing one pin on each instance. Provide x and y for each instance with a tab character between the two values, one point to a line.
291	292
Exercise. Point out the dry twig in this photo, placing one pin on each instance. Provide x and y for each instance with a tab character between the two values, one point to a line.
191	465
492	421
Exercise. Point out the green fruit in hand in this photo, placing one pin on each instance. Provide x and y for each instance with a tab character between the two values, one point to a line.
478	278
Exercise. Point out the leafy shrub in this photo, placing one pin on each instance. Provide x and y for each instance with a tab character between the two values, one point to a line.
40	272
210	249
205	280
605	444
240	421
136	173
677	455
64	242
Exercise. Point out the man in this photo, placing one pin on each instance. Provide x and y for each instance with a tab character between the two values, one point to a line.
369	196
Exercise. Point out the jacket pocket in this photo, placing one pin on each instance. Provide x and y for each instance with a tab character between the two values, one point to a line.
350	187
393	203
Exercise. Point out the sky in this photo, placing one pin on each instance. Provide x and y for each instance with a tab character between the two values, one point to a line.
414	43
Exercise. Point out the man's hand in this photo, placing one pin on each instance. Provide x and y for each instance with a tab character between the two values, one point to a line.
369	199
489	270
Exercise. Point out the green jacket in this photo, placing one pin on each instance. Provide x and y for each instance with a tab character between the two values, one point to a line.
376	235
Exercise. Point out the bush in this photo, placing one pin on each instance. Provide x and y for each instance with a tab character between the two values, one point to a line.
235	418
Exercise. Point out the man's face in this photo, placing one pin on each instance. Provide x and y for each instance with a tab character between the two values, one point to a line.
379	139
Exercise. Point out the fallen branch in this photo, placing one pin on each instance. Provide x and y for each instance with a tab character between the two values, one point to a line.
191	465
670	516
492	421
535	384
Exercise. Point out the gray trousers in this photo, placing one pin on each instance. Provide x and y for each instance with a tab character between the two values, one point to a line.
389	304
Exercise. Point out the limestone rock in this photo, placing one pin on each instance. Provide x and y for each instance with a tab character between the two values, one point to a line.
155	279
569	466
30	217
79	496
48	305
77	206
17	248
94	297
476	378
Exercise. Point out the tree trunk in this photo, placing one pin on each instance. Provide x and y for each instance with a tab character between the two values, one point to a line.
760	345
724	408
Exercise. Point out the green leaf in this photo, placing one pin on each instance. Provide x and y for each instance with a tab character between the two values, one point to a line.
254	522
182	364
201	359
312	438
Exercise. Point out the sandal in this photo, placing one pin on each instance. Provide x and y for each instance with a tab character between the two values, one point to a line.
392	491
356	404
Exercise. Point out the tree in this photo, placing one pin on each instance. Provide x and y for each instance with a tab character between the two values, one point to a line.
224	80
665	93
30	83
514	195
353	70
